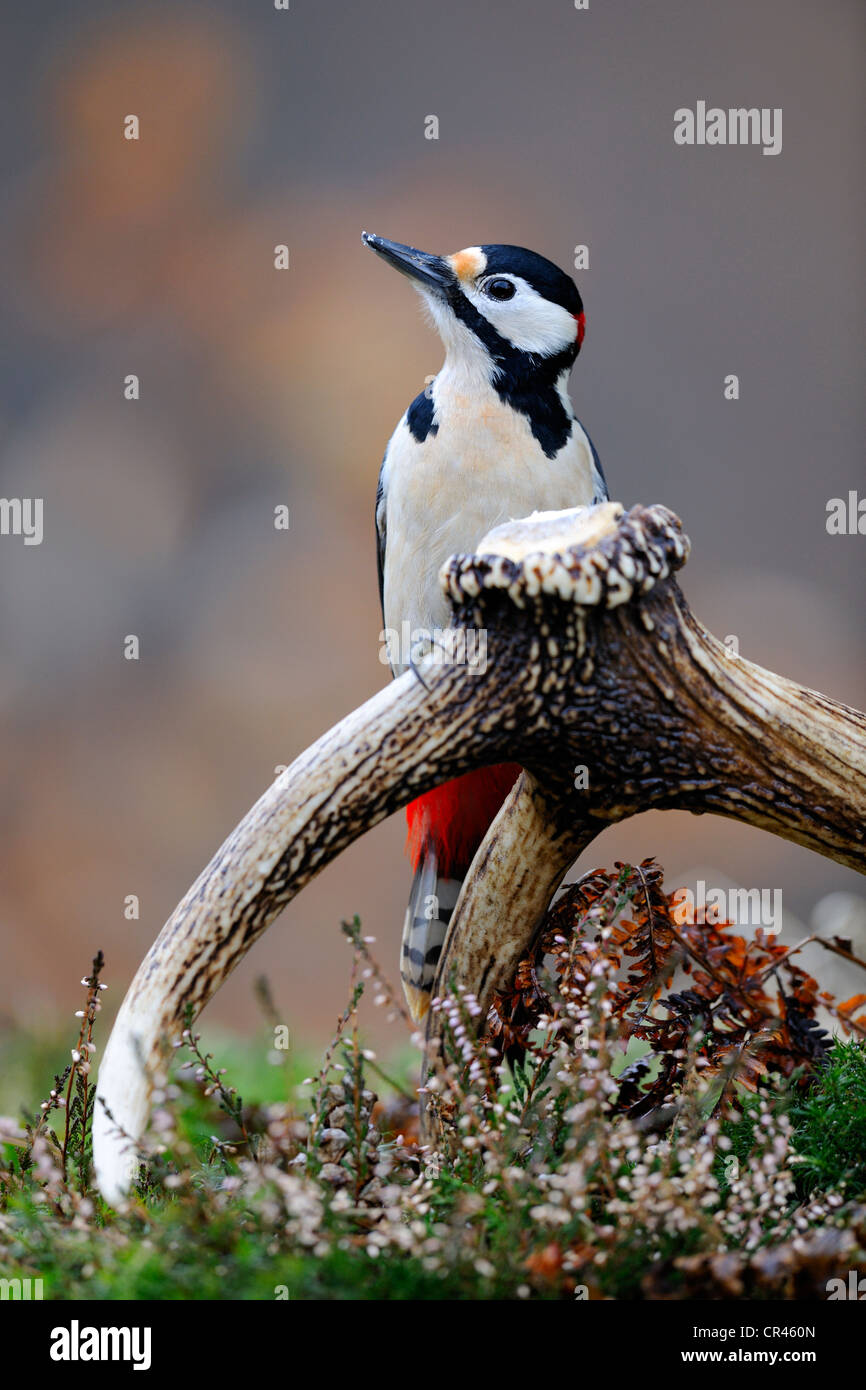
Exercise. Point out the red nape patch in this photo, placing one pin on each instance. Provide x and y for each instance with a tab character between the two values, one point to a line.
457	816
580	320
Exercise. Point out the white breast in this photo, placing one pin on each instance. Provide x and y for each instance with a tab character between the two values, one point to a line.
482	467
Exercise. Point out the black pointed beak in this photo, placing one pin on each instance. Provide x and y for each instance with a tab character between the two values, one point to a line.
433	272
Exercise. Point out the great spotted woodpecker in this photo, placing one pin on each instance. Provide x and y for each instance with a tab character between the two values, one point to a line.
492	437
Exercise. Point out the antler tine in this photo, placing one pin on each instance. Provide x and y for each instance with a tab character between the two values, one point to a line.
594	660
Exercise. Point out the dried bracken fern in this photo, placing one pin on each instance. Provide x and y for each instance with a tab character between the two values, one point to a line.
743	1010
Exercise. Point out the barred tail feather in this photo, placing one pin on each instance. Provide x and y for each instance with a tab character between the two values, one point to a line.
432	900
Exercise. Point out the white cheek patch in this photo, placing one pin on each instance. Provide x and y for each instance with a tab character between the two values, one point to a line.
528	321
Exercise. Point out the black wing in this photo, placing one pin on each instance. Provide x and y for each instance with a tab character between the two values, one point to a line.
381	533
605	493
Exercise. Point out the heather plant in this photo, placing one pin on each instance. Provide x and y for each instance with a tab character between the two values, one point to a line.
649	1110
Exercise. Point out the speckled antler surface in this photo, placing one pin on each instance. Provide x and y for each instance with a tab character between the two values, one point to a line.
623	681
593	660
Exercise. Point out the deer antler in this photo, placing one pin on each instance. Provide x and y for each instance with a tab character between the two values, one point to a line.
593	658
633	688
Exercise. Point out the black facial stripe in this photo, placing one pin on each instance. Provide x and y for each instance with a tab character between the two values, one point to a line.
525	381
512	361
548	419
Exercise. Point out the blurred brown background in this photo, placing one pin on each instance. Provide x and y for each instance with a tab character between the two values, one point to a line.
259	388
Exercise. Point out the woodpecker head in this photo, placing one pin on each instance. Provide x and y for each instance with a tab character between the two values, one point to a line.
520	311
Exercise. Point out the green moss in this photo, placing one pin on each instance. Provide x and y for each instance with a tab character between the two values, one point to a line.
830	1125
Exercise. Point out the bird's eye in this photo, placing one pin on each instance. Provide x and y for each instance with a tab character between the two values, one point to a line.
500	289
